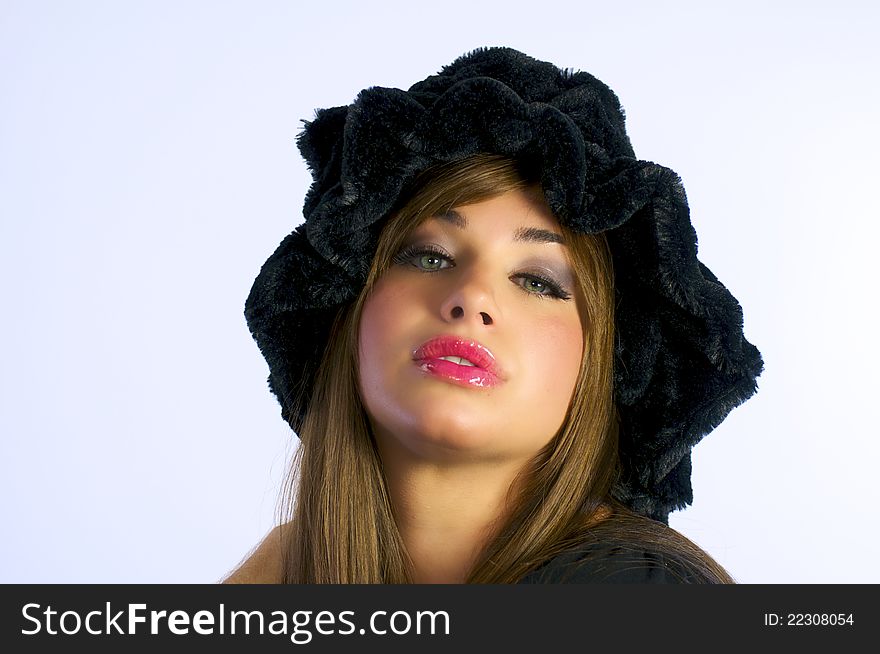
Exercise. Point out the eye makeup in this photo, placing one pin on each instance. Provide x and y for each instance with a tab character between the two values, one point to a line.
416	254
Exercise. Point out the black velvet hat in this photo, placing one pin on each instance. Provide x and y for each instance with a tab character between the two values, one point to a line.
681	362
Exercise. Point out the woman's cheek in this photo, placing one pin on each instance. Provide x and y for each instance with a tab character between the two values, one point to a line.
384	335
375	320
556	353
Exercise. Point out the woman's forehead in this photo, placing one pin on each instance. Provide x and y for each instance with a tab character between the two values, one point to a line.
526	217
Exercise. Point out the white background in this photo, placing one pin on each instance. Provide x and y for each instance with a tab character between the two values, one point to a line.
148	168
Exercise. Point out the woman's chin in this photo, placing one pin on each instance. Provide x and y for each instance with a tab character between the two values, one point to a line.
453	439
431	419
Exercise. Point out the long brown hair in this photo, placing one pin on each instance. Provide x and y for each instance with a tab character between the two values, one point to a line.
338	521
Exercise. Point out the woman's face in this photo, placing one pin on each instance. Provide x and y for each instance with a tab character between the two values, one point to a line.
488	276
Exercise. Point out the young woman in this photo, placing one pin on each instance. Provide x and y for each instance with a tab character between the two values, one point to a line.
494	340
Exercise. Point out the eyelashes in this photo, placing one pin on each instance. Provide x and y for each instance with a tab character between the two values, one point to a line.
407	254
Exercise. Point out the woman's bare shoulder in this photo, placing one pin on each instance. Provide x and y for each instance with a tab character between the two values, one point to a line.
262	565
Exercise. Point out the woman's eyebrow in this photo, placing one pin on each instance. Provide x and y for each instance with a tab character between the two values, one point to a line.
536	235
453	218
525	234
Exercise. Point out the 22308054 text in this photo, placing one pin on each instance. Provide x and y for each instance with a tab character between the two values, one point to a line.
808	619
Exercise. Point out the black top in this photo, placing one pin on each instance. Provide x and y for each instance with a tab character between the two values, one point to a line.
614	564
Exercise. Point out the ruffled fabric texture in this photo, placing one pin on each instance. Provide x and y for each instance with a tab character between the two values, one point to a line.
682	362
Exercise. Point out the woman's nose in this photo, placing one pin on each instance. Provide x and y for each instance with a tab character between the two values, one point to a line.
471	300
458	313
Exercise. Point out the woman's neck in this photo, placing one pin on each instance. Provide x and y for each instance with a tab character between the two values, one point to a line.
446	513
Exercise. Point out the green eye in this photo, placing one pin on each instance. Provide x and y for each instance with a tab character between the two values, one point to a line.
426	258
543	288
538	284
430	259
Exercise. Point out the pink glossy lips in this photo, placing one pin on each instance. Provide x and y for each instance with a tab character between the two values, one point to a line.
484	372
